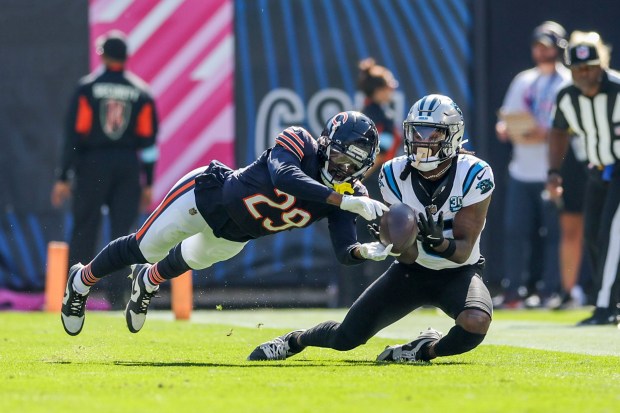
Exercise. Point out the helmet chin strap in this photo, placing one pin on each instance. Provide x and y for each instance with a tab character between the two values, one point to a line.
340	187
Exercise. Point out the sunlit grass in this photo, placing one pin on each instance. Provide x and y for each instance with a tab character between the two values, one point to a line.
201	367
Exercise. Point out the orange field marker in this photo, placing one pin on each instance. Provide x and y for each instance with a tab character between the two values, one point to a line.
56	275
182	296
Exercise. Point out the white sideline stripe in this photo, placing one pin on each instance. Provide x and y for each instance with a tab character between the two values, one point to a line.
218	58
181	60
599	340
212	134
105	11
184	109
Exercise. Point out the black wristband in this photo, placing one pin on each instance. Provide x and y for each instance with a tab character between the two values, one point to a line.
448	252
553	171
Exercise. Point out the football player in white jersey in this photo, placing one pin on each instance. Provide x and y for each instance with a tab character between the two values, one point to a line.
450	190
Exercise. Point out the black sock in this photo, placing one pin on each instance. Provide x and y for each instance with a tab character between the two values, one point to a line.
117	255
292	343
173	264
457	341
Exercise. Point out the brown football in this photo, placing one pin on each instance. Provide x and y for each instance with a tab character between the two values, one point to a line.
399	226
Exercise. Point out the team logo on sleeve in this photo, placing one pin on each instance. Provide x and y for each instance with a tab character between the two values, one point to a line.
485	186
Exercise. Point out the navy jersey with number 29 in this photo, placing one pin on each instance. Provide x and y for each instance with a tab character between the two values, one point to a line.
281	191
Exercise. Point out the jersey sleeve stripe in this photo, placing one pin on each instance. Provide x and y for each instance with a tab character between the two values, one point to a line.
391	180
471	174
287	143
291	134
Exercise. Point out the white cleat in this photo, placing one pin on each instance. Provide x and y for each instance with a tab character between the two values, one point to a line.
276	349
73	305
410	352
138	305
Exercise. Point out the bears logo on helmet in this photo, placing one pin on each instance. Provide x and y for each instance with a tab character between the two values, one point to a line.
348	147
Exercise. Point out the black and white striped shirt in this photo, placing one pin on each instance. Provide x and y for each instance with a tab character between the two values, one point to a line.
594	119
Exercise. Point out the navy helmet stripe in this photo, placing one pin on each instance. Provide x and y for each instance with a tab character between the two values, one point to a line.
471	174
431	105
421	109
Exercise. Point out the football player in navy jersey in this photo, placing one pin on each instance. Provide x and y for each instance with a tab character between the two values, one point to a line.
450	189
212	212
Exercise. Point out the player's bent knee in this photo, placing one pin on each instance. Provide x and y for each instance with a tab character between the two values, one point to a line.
474	321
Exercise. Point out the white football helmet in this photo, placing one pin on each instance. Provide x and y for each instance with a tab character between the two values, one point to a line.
434	123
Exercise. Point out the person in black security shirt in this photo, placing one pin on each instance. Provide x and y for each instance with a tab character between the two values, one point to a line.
111	117
589	107
212	212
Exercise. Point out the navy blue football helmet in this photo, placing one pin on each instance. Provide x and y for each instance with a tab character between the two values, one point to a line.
348	146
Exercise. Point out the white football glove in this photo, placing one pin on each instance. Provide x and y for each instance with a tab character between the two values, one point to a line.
376	251
368	208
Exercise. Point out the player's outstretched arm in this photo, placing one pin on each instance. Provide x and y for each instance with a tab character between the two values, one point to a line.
367	208
375	251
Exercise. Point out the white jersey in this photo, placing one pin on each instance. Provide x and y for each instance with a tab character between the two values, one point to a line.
472	182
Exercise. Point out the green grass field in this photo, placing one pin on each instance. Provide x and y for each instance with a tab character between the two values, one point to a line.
530	362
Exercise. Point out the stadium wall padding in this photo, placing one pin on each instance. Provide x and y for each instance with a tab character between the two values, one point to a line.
43	51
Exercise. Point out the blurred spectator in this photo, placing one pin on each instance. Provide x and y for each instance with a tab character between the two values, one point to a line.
111	117
589	107
571	203
378	85
531	222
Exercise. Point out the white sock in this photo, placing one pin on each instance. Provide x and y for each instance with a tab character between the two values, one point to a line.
147	283
78	285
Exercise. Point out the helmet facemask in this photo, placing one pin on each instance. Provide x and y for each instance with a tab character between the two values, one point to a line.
433	132
428	145
349	145
345	163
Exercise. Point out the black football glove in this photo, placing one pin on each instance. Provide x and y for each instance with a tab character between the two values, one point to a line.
430	232
373	230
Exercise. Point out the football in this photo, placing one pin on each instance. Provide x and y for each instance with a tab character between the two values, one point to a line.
399	227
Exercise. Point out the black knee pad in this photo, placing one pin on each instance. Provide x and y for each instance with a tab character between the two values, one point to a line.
457	341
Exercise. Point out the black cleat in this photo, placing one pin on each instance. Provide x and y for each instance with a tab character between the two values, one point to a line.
410	352
138	305
73	305
276	349
601	316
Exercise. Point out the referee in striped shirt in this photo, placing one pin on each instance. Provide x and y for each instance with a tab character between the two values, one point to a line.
590	108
